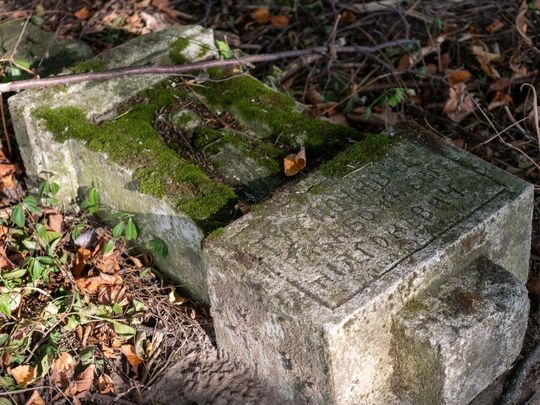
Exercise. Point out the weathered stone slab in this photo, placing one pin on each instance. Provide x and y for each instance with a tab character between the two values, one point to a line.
178	157
41	49
309	285
476	316
76	164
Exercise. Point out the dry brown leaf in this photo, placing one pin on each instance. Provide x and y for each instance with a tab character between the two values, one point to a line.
279	21
110	263
261	15
176	298
83	382
294	163
340	119
90	285
522	24
347	17
7	168
502	84
129	351
82	13
500	100
81	258
494	26
55	222
24	374
62	370
35	399
458	76
485	59
459	142
105	384
459	103
111	294
415	57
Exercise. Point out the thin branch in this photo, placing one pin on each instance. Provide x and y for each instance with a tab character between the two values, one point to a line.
191	67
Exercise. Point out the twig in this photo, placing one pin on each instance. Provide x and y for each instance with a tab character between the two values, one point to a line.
535	109
191	67
513	392
5	127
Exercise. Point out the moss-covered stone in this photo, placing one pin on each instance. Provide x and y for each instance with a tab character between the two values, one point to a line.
132	141
176	50
370	149
90	65
275	114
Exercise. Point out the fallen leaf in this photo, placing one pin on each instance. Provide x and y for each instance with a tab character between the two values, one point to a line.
82	13
459	142
105	384
522	24
459	103
500	100
261	15
7	168
35	399
90	285
24	374
340	119
154	22
347	17
55	222
129	351
458	76
176	298
485	59
81	259
414	57
494	26
83	382
279	21
502	84
294	163
62	369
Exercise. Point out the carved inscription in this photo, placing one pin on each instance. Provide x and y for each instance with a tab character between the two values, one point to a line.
335	244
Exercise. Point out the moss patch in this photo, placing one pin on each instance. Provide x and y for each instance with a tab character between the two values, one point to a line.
370	149
210	141
91	65
264	109
176	50
132	141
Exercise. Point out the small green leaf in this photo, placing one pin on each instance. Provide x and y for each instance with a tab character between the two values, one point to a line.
5	308
17	215
108	248
31	205
93	200
36	20
224	50
158	247
4	337
131	230
117	309
18	273
118	230
138	305
123	330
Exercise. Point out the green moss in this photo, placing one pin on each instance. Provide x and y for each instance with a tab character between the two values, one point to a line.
261	108
370	149
176	50
317	189
91	65
216	233
132	141
210	141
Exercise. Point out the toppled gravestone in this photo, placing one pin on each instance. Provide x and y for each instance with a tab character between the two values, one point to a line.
387	268
177	157
398	280
38	49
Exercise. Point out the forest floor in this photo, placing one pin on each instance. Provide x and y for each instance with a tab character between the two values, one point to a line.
473	80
